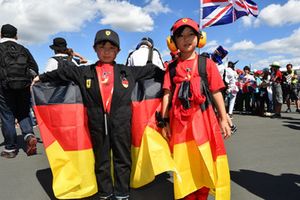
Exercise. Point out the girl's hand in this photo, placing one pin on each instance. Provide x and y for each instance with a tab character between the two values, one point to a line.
225	128
166	132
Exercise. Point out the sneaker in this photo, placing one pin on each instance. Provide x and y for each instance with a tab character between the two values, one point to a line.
9	154
31	145
121	197
230	116
268	114
233	129
288	110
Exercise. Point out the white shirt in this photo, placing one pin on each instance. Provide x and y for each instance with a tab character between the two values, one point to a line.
140	56
221	69
8	39
231	79
52	64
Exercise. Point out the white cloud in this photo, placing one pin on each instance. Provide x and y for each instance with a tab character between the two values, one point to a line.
279	15
156	7
243	45
284	50
123	15
227	41
36	20
210	46
126	16
290	45
248	20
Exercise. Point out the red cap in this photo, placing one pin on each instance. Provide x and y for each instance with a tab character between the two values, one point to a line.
185	22
259	72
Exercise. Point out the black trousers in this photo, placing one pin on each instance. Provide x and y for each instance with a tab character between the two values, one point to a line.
116	146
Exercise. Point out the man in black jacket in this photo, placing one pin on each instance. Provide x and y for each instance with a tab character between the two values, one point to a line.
17	68
106	89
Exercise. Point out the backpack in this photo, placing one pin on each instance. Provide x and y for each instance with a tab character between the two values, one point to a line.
204	82
14	64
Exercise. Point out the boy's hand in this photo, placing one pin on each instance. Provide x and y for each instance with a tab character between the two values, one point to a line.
36	79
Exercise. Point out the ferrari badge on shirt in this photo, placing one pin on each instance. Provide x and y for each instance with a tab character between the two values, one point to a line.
88	83
124	82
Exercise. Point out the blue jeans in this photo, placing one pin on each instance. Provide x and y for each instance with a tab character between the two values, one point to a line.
14	104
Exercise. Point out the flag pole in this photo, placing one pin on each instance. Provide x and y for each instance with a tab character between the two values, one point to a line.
200	18
200	14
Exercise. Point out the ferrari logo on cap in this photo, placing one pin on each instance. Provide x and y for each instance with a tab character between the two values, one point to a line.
184	20
107	33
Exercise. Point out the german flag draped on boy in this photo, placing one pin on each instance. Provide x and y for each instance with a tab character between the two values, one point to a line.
150	151
62	121
189	118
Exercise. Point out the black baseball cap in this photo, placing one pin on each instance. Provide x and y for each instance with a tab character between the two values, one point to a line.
8	31
107	35
59	44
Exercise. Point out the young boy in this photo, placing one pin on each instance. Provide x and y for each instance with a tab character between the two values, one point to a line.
194	131
106	90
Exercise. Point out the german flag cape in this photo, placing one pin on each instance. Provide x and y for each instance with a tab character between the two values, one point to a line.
200	156
199	153
62	121
150	151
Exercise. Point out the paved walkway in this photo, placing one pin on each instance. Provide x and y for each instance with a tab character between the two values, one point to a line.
264	159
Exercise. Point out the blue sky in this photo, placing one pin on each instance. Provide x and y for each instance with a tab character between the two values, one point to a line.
273	36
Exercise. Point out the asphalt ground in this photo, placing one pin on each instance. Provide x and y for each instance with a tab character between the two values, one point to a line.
264	159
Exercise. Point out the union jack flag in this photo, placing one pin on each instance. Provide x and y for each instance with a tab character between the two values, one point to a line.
219	12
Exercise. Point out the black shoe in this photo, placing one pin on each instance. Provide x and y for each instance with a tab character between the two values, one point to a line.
9	154
288	110
298	110
276	115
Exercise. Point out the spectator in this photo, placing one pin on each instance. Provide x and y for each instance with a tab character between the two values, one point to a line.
62	52
276	79
16	73
145	49
232	89
264	94
217	56
247	88
290	80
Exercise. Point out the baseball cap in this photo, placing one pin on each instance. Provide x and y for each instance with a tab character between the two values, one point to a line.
8	31
185	22
107	35
59	44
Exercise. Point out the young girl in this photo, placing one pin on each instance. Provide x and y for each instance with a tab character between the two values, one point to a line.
194	132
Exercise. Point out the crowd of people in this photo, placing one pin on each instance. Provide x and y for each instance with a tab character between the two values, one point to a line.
261	92
199	98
